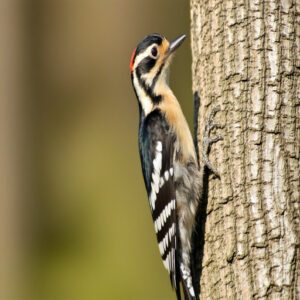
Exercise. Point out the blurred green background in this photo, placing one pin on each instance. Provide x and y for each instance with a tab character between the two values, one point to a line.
90	233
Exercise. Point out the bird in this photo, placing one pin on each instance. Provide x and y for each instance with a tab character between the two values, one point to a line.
172	174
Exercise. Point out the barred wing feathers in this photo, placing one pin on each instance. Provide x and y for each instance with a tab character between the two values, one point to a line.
156	143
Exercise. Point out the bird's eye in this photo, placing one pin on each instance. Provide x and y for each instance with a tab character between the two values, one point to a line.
154	52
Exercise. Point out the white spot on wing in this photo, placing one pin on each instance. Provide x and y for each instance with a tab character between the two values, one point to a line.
161	182
152	198
159	146
164	215
157	162
167	175
155	183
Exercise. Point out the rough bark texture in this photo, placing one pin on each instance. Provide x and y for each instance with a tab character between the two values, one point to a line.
246	57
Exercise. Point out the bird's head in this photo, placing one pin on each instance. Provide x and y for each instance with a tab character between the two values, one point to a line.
149	64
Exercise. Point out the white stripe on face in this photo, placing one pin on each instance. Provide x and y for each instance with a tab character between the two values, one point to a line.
143	98
149	76
142	55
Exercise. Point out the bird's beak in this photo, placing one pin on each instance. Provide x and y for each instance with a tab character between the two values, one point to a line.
176	43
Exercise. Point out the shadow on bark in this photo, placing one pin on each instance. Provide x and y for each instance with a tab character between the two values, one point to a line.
199	232
198	237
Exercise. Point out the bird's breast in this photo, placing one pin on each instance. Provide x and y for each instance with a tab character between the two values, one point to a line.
174	115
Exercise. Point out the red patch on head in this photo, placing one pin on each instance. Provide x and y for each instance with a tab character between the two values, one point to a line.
132	60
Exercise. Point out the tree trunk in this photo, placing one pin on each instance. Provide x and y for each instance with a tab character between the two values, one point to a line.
246	57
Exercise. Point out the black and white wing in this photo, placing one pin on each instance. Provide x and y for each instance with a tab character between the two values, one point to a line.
156	143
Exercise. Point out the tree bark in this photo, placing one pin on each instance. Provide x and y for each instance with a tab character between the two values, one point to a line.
246	58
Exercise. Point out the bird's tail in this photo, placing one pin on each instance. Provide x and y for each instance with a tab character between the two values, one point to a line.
176	278
187	283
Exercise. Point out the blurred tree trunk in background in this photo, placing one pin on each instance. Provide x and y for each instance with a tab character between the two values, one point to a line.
12	142
246	57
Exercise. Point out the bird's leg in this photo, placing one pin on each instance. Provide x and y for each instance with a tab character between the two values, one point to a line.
208	141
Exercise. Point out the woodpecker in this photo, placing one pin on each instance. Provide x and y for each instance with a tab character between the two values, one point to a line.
172	175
